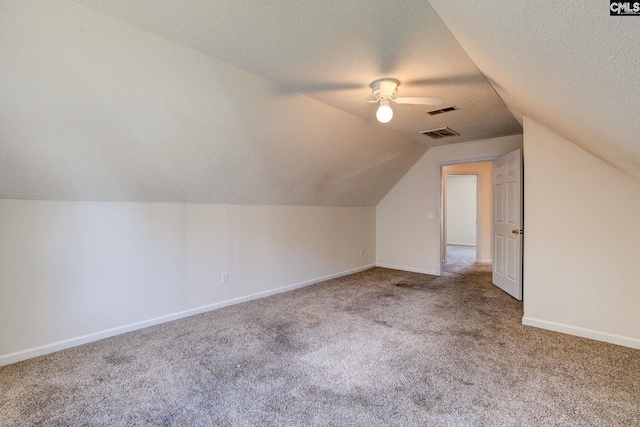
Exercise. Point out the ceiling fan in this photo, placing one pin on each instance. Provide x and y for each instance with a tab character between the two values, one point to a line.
385	91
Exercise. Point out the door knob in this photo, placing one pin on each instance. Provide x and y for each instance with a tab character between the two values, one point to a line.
516	231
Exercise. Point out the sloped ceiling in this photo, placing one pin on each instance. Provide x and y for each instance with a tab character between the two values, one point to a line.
225	102
566	64
331	50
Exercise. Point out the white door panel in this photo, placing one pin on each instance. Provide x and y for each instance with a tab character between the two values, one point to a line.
498	258
507	224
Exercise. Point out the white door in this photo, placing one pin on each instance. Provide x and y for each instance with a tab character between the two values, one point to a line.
507	224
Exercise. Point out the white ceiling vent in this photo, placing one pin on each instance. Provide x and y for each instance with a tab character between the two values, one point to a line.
440	133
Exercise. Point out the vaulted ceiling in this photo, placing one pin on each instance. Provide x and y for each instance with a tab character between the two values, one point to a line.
258	102
565	64
331	50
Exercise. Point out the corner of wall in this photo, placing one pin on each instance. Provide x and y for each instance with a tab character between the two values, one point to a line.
405	236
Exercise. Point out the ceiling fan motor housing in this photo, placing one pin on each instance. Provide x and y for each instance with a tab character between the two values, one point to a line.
384	88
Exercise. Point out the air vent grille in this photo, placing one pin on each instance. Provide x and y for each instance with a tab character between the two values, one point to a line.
440	133
443	110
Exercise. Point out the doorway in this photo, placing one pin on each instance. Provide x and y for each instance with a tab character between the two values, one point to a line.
466	213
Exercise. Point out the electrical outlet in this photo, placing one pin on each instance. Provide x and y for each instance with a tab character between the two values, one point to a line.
225	277
361	252
431	215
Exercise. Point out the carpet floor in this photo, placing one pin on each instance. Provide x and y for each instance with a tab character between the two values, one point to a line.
459	258
377	348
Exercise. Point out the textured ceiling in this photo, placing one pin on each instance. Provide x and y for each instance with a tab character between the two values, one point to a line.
227	101
567	65
331	50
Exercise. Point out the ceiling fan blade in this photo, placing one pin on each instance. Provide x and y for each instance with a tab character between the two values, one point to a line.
372	101
419	100
313	87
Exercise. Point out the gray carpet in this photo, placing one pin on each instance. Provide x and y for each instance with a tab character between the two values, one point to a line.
378	348
459	258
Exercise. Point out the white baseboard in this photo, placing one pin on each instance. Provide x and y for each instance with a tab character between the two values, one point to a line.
473	245
409	269
581	332
18	356
489	260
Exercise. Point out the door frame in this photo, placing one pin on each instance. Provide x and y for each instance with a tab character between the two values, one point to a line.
440	181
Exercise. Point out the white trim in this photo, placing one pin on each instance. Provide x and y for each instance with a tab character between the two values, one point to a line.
409	269
470	245
582	332
486	260
18	356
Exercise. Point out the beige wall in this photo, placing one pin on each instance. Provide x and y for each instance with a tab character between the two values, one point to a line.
73	272
581	242
484	170
405	237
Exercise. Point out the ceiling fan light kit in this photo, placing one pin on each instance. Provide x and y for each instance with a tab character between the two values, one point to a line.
384	90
